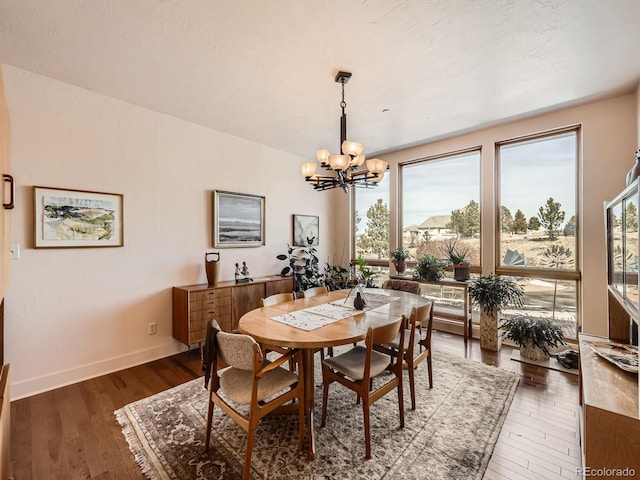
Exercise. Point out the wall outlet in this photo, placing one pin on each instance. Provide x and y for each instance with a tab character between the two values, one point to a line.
153	328
15	251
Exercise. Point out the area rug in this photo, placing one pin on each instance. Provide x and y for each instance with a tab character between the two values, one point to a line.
450	435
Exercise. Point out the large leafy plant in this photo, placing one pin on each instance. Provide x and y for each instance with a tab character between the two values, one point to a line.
304	263
495	293
429	268
543	332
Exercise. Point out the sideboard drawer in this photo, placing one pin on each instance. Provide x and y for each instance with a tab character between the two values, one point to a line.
203	295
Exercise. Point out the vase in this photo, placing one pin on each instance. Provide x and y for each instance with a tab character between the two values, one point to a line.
400	265
211	267
490	338
461	272
530	351
635	170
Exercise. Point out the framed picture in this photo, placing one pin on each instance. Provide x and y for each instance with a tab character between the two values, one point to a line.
306	229
238	220
66	218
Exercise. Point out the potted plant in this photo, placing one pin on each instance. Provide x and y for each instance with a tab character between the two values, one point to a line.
534	337
303	262
429	268
457	256
399	258
493	294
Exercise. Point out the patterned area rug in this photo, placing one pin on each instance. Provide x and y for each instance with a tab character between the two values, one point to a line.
450	435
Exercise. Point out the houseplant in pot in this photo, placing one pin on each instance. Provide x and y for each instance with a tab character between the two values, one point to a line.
534	337
399	258
493	294
429	268
457	256
303	262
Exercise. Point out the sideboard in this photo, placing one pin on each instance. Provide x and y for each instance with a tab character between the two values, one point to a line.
195	305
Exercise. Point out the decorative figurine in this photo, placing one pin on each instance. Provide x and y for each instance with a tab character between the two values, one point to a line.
242	274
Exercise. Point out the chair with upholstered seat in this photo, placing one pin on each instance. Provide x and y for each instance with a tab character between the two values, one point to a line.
252	380
278	298
416	346
402	285
358	366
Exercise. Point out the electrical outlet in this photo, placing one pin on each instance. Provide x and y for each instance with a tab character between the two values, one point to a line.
15	251
152	328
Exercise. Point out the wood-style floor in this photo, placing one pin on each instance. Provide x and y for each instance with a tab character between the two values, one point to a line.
71	432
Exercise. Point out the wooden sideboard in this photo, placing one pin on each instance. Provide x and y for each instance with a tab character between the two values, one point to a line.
195	305
610	419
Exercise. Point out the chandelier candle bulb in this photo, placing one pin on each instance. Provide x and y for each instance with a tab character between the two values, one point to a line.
375	165
339	162
308	169
323	157
352	148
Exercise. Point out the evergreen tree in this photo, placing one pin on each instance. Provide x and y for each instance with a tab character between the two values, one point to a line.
506	219
551	217
375	239
519	224
631	217
534	224
466	221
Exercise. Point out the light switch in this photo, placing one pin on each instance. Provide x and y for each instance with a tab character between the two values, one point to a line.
15	251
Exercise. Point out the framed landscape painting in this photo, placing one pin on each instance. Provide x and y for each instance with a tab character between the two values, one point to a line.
65	218
306	229
238	220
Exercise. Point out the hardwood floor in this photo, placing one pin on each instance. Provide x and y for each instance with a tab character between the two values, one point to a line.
71	432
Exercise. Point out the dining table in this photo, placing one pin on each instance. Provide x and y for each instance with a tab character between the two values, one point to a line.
268	326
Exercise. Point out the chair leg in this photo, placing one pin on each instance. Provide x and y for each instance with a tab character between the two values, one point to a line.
401	402
367	428
301	423
430	370
251	433
325	398
412	384
209	422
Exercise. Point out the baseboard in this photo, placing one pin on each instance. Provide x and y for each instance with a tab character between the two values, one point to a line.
35	385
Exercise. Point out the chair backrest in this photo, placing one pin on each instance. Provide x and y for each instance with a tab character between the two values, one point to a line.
402	285
238	351
424	316
384	333
278	298
313	291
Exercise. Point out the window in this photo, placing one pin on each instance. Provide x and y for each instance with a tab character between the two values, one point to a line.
441	202
537	227
371	221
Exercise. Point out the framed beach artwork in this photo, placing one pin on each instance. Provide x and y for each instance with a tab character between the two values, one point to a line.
238	220
65	218
306	229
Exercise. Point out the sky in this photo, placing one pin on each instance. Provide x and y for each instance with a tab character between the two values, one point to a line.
531	172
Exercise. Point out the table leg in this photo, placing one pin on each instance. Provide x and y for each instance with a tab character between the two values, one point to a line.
308	357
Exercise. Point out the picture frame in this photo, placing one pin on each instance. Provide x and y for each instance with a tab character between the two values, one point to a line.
306	227
238	220
66	218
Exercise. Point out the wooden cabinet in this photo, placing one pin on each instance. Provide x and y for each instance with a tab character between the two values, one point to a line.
195	305
610	419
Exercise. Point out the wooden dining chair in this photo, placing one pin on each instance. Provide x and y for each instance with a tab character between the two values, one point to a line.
252	380
355	368
314	291
278	298
402	285
417	345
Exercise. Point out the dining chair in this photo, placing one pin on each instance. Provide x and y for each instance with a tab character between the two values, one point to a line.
314	291
358	366
416	346
278	298
252	380
403	285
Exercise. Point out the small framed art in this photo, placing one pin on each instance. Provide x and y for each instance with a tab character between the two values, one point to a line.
238	220
306	229
65	218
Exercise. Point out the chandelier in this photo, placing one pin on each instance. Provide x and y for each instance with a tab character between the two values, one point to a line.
345	170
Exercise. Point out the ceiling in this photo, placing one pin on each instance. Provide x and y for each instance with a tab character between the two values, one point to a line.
264	69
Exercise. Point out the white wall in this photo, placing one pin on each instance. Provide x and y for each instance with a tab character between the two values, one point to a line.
609	139
77	313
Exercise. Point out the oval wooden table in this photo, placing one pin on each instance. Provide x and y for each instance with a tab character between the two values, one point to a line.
259	324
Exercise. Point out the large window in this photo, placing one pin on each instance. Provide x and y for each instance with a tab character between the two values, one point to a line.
441	203
537	223
371	221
